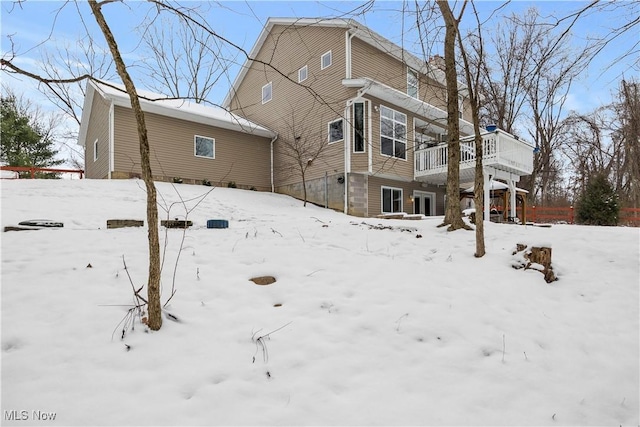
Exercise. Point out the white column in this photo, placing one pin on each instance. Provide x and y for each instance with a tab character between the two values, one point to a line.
487	195
512	198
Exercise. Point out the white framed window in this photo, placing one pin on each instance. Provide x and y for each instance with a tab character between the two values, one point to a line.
336	131
412	83
325	61
267	92
393	133
95	150
391	199
359	145
204	147
302	74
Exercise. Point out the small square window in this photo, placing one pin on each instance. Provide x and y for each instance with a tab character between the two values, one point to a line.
204	147
267	92
302	74
95	150
326	60
335	131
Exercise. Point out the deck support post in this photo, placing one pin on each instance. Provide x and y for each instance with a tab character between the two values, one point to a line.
487	195
512	198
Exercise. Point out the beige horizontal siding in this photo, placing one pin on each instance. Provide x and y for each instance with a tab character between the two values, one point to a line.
368	61
375	194
98	129
239	157
298	110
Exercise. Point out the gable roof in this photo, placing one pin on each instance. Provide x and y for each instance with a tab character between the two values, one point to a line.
355	28
159	104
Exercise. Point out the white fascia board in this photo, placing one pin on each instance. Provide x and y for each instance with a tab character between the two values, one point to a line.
86	113
401	99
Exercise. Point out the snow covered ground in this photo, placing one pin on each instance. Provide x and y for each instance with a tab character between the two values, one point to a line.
364	326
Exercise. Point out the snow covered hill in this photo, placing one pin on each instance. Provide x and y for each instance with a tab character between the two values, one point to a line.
365	325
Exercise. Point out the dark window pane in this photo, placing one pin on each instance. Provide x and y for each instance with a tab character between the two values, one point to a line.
397	201
335	131
358	127
400	148
386	200
386	146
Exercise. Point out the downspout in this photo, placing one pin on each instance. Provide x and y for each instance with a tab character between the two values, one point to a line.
347	41
111	140
347	158
271	148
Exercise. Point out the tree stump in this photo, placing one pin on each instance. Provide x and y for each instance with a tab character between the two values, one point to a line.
538	256
542	256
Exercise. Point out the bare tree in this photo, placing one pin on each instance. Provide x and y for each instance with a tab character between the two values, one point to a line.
627	136
300	146
186	60
84	57
585	148
153	284
532	70
504	72
472	76
453	213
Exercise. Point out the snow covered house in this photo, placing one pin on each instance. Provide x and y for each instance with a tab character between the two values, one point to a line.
363	118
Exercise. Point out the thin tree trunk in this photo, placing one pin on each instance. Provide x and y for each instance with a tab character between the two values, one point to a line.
153	285
453	213
478	188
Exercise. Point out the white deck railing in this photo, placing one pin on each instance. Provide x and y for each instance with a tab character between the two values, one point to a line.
499	149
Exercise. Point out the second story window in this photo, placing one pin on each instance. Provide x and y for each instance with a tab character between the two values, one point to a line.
393	133
325	61
336	132
302	74
95	150
412	83
267	92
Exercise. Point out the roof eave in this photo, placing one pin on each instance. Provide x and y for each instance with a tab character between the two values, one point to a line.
400	99
86	113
